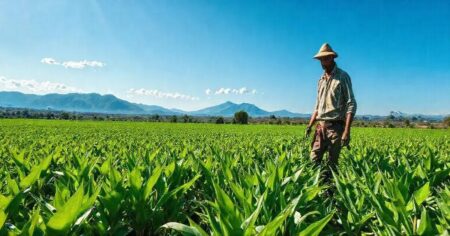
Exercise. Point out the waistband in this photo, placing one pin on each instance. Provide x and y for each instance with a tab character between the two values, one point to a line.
331	122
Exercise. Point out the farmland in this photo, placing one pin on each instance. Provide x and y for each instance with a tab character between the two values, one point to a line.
120	178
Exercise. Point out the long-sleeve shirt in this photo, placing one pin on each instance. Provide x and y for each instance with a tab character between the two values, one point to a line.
335	96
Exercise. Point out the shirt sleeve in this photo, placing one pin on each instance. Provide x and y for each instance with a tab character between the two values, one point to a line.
316	106
350	97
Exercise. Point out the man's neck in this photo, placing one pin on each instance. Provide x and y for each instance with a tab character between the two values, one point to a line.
329	70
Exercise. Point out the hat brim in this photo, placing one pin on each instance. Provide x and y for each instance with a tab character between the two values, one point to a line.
325	54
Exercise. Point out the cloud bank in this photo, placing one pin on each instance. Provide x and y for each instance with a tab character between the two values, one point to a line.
225	91
73	64
159	94
33	86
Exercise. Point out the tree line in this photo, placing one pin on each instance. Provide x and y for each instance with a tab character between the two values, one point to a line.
240	117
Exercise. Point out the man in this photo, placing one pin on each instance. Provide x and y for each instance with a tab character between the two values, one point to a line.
335	108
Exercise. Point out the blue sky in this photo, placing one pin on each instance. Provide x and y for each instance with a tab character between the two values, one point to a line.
193	54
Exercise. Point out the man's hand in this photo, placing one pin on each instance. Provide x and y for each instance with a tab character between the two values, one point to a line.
307	131
345	139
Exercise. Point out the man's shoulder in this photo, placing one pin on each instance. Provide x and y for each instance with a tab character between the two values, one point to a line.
342	74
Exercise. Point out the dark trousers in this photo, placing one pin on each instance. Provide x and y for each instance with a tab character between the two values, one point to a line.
327	139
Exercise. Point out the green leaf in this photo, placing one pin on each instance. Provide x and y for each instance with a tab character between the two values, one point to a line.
3	217
32	223
298	218
19	160
249	223
195	225
184	229
12	185
105	168
30	178
135	179
166	196
421	194
315	228
424	227
271	227
61	221
46	163
419	172
152	181
4	201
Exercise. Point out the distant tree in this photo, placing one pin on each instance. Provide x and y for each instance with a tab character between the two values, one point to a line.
25	114
386	124
65	116
273	117
241	117
156	117
407	122
220	120
447	121
186	119
173	119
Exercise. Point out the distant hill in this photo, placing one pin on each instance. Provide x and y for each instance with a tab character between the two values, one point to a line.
401	115
90	102
228	109
153	109
110	104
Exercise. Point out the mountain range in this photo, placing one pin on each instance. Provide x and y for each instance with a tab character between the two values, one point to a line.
96	103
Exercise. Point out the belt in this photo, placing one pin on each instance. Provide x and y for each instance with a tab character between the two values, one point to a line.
331	122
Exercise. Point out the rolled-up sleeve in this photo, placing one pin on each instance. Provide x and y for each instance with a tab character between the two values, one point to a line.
350	102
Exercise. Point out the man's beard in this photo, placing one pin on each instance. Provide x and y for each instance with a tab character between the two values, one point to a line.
327	68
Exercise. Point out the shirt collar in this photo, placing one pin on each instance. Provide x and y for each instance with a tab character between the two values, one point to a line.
333	72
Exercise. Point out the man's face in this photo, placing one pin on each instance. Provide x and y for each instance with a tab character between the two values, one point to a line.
326	62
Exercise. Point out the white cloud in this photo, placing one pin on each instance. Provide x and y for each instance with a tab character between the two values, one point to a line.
73	64
159	94
226	91
82	64
33	86
49	61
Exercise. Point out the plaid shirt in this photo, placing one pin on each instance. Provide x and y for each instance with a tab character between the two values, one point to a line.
335	96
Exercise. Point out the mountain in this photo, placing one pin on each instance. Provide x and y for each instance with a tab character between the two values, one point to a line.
109	104
96	103
286	113
228	109
90	102
153	109
401	115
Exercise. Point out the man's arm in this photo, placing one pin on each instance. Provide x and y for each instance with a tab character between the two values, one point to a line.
351	110
348	123
313	119
311	123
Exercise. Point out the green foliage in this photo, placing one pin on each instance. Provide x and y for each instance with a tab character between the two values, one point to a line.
447	121
123	178
241	117
220	120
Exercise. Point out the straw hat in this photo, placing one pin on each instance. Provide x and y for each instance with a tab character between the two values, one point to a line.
325	50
